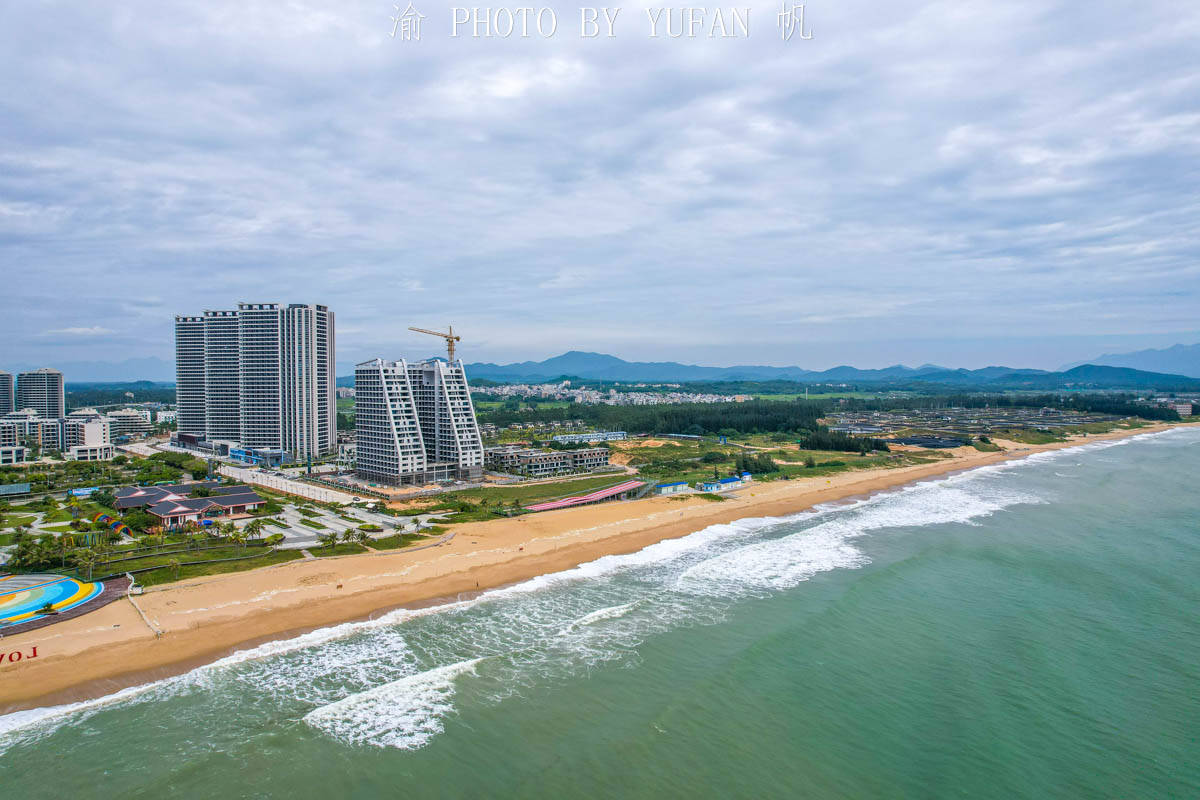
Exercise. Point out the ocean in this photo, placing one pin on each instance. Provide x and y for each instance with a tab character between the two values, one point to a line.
1024	630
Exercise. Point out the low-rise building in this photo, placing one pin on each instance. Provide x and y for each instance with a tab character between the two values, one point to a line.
725	484
129	422
542	463
595	436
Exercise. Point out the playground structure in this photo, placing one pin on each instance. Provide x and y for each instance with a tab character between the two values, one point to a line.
114	525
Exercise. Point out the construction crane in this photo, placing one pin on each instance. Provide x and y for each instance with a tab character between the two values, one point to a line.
449	337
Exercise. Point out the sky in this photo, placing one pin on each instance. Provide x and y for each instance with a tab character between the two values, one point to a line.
961	183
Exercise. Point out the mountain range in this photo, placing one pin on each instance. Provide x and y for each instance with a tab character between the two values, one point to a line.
601	367
1181	359
1174	365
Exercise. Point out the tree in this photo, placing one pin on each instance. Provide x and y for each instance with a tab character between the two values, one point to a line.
237	535
86	558
254	529
140	520
174	565
328	539
104	497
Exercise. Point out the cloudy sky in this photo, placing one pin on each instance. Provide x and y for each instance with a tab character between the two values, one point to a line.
956	182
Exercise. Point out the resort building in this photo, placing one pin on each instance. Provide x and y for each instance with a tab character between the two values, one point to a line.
541	463
447	417
414	423
260	377
588	438
42	390
8	396
174	507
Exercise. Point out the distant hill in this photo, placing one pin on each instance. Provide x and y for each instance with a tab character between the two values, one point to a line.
1181	359
602	367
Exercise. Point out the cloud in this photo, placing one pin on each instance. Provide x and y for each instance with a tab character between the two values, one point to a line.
927	172
93	331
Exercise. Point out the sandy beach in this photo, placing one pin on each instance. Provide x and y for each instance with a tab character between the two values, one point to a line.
206	618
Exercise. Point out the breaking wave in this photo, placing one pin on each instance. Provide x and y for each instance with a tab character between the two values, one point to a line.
391	681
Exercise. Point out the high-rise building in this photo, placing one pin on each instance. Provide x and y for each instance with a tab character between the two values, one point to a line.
258	378
42	390
448	424
309	404
222	377
388	443
8	395
414	423
190	410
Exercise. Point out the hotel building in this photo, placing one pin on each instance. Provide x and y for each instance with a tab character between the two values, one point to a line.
415	423
258	379
42	390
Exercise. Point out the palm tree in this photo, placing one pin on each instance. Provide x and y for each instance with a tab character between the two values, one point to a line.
86	558
174	566
359	536
237	536
254	529
329	539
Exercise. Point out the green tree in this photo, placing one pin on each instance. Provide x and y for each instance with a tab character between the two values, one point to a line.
174	566
86	559
328	539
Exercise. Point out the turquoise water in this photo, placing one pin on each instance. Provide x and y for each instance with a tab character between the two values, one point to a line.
1027	630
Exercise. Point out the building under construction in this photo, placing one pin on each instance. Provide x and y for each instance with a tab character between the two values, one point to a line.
415	423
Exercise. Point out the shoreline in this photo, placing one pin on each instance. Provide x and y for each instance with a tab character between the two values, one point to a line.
205	619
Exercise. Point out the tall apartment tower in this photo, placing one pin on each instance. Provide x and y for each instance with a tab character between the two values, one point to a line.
309	380
259	377
222	377
388	443
189	376
415	423
8	395
42	390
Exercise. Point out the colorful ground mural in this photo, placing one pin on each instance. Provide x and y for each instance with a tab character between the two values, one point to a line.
24	597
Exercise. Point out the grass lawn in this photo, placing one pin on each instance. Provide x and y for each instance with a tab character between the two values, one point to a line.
312	523
63	528
166	575
6	539
16	521
523	493
398	541
343	549
1025	436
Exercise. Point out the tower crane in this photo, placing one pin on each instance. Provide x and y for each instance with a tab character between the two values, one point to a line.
450	338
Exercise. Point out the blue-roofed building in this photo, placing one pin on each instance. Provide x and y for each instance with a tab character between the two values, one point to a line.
726	484
671	488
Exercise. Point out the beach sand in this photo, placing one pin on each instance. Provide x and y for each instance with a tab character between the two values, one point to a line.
206	618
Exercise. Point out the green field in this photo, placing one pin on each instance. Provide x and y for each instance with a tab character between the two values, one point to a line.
340	549
166	575
525	494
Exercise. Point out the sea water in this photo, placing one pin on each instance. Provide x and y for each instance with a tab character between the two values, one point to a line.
1030	629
